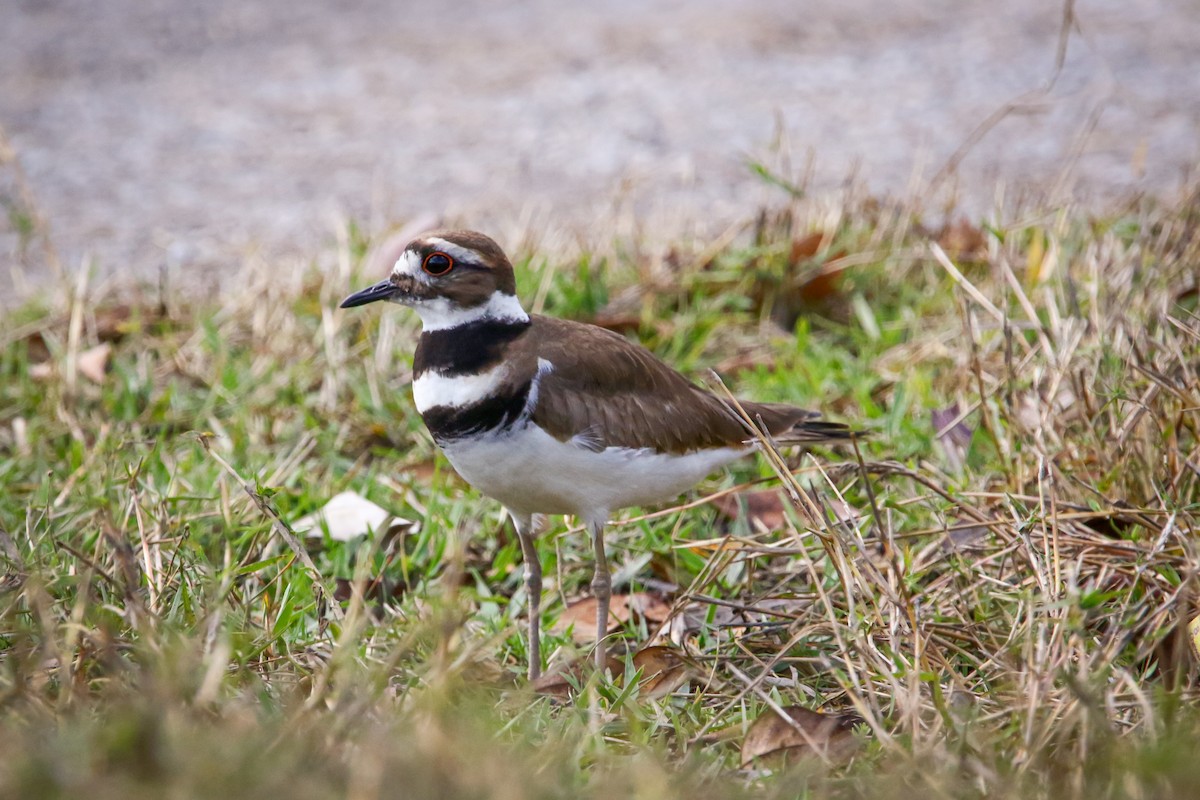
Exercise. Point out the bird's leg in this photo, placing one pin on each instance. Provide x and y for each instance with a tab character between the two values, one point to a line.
601	589
526	526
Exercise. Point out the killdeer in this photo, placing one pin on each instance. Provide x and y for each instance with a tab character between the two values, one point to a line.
550	416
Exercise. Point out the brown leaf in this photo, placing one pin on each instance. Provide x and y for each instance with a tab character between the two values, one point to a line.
582	614
809	283
962	241
764	508
806	247
114	323
664	669
561	682
808	734
422	471
814	287
38	349
821	287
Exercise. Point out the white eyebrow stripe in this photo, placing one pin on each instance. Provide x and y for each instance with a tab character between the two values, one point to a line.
432	389
456	252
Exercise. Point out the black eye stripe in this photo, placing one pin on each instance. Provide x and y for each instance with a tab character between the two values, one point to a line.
437	263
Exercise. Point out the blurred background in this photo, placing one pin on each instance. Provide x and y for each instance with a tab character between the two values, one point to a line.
152	133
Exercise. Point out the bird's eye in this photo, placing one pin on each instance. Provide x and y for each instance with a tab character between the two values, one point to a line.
437	264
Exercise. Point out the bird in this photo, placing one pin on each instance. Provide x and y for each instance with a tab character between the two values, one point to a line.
556	417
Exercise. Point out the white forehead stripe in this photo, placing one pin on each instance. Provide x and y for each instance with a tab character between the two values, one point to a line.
432	390
408	264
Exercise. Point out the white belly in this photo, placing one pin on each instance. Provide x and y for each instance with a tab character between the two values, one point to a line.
531	472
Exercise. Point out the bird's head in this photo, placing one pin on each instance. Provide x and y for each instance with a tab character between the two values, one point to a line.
450	278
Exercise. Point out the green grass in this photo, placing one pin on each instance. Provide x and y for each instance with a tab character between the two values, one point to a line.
1004	607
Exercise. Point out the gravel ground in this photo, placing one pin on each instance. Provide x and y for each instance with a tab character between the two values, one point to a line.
185	133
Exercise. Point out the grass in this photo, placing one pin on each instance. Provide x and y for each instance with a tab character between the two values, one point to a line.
997	586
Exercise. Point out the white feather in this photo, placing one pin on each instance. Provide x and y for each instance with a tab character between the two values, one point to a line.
440	314
457	252
409	264
544	367
432	389
531	472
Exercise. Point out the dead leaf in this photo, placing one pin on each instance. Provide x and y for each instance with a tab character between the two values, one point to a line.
695	617
808	734
348	515
580	616
93	362
562	681
664	669
962	240
965	538
953	435
808	282
819	287
39	350
763	508
422	471
556	684
113	323
806	247
816	288
1188	298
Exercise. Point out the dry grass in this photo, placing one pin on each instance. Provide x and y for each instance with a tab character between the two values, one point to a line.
997	581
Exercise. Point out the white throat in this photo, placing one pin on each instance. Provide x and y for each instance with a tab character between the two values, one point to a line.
439	314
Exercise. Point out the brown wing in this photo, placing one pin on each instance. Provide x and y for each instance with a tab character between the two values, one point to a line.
605	391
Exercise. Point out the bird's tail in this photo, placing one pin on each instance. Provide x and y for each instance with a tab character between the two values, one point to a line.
818	430
791	425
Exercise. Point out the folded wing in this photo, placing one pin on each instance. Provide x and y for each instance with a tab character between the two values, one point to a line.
604	391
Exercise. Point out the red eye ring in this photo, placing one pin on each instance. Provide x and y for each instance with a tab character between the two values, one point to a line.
437	263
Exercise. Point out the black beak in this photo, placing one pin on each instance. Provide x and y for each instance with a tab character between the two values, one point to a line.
380	291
